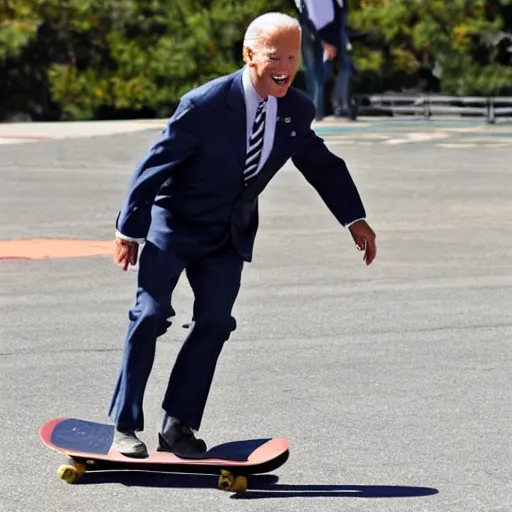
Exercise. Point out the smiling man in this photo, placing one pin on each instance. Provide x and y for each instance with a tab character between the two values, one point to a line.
193	200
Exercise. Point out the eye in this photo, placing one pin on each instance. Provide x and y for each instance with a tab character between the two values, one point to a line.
274	58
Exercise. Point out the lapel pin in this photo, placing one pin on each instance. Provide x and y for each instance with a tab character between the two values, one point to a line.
287	119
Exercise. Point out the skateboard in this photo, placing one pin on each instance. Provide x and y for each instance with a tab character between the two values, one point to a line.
88	447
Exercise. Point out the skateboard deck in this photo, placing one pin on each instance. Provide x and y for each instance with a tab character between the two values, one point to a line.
88	446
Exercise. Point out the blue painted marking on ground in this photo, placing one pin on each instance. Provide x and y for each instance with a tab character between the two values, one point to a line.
487	134
336	130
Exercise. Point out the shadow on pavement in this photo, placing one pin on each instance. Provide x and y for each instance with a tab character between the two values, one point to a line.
259	486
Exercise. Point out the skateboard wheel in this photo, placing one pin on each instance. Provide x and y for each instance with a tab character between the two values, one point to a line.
80	469
239	485
231	483
68	473
226	480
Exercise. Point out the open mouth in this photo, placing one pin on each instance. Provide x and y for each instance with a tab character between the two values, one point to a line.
280	79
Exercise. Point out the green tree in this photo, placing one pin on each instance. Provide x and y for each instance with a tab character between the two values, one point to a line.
86	59
457	38
114	58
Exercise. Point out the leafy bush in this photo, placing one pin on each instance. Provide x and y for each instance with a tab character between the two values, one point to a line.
453	41
94	59
115	58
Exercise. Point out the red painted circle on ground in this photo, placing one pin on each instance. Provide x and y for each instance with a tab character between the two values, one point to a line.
49	248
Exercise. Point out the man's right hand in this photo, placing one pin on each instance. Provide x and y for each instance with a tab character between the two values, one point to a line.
126	253
330	51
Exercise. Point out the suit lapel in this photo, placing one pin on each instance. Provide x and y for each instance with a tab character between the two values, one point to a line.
237	117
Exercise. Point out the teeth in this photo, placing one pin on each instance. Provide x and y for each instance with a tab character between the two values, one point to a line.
280	80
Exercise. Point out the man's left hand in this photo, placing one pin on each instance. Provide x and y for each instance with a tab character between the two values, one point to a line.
364	237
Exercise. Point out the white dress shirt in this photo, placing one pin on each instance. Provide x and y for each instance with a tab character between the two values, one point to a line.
252	100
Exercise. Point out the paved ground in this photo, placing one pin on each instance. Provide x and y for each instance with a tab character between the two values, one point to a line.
446	132
392	383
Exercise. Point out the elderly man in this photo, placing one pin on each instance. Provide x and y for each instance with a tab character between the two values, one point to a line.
194	202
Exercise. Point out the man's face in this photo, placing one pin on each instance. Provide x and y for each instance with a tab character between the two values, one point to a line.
274	62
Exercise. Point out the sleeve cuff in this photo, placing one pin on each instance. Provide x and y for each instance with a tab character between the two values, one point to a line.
129	238
354	221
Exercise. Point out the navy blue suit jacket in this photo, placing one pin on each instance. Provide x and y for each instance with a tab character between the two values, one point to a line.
188	194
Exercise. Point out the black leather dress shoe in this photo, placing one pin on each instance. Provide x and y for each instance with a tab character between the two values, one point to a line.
181	441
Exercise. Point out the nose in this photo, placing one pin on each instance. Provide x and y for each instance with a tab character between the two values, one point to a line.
287	69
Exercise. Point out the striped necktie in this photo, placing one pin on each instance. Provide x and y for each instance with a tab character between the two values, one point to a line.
255	146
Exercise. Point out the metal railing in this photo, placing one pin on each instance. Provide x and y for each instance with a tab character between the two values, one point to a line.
429	105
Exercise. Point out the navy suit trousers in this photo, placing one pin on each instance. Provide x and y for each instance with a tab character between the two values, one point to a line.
215	281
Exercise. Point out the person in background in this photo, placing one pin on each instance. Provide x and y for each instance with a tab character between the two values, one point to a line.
340	97
319	45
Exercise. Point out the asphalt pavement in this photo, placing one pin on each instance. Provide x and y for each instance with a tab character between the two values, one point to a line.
391	382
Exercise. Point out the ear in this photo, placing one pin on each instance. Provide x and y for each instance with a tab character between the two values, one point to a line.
248	55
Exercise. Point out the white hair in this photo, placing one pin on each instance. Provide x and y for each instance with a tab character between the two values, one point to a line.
265	23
